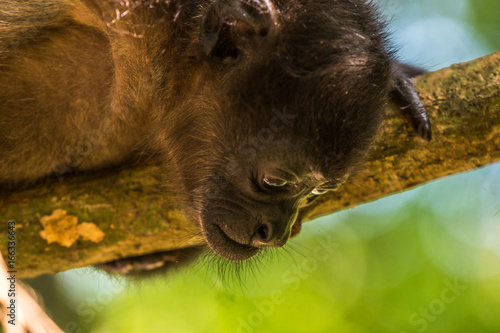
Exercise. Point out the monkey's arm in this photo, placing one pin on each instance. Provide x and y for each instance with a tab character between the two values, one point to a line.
153	263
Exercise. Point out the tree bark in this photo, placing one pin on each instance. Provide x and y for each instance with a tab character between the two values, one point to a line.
128	213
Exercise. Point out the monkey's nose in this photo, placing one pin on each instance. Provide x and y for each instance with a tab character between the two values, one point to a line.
267	236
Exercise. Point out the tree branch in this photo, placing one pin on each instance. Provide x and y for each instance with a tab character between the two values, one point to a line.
136	216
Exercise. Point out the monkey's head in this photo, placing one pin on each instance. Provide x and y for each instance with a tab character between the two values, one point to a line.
296	93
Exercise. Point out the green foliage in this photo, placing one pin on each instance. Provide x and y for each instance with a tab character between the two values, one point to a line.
429	261
484	18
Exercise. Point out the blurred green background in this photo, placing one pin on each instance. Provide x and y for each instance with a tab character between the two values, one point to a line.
427	260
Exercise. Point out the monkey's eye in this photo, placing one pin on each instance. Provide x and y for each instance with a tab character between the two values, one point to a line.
274	182
318	191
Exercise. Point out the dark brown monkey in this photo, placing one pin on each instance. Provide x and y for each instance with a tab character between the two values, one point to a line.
255	106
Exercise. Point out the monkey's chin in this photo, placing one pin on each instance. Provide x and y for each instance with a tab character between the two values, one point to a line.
224	246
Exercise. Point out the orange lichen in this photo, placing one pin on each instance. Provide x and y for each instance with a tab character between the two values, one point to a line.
61	228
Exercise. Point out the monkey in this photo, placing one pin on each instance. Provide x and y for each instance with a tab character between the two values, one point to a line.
254	107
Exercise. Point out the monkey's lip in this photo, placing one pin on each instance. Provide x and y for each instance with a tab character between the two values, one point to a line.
226	247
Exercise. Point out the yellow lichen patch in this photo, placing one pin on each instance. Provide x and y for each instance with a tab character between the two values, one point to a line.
91	232
61	228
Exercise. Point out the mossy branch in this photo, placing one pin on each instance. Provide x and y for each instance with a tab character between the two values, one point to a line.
136	216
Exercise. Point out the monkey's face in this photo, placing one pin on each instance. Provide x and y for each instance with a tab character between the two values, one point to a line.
295	103
251	201
268	159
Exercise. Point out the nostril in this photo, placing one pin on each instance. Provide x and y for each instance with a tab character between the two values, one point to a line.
266	235
262	234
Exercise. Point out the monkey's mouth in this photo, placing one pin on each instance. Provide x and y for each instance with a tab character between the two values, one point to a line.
226	247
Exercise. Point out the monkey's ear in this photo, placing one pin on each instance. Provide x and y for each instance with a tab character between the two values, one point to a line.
230	27
405	96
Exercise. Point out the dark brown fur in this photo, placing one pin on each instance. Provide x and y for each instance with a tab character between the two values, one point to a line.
92	83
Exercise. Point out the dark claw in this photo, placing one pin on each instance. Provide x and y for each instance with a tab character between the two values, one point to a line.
424	131
406	97
419	119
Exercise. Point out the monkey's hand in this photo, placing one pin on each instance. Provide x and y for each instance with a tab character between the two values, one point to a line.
406	97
